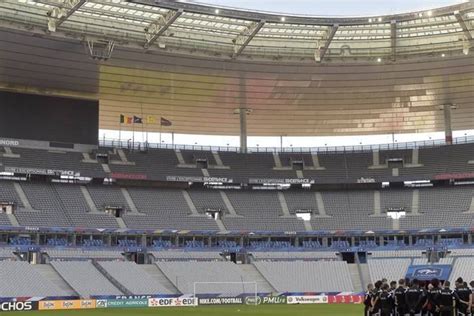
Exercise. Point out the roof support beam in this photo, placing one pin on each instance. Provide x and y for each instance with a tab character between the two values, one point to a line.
58	15
463	25
393	38
244	38
321	51
159	27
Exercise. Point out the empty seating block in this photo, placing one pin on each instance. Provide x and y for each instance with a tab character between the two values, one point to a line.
391	269
184	275
307	276
133	278
19	279
84	278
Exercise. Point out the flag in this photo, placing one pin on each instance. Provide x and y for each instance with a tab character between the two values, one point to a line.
122	118
165	122
137	120
150	119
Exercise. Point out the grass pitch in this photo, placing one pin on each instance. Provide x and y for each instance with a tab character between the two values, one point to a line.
234	310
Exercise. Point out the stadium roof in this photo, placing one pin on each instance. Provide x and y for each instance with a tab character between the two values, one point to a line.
213	31
195	65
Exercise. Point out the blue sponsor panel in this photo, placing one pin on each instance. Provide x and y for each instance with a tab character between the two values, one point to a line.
429	272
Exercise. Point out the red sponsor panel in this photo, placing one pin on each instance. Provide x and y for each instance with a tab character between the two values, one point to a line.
345	299
447	176
128	176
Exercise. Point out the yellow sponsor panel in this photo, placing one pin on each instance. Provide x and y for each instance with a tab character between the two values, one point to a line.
72	304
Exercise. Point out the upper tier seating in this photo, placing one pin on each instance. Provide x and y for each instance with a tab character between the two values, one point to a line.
65	205
157	164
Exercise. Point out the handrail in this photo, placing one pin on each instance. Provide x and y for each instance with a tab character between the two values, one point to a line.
129	144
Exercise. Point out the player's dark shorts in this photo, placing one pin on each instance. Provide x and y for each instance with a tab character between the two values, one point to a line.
446	311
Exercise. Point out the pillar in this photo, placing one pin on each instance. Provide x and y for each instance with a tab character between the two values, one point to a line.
243	113
448	131
243	130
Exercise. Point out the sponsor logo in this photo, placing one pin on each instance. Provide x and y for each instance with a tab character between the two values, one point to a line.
47	172
47	305
252	300
280	181
220	301
170	302
16	306
274	300
365	180
101	303
129	176
127	303
198	179
428	272
132	297
9	142
447	176
87	304
313	299
68	304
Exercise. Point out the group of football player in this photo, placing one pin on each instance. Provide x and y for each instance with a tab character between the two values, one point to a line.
414	297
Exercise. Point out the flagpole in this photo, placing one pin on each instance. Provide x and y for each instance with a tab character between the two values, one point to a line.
161	129
120	134
133	133
143	124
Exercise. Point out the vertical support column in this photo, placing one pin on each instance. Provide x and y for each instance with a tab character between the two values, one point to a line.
242	111
448	131
243	130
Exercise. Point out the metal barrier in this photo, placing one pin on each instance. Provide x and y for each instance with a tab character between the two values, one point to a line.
114	143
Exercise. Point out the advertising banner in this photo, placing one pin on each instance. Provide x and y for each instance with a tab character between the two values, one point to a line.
429	272
313	299
280	181
18	306
122	303
171	302
39	171
128	176
72	304
280	299
220	301
198	179
346	299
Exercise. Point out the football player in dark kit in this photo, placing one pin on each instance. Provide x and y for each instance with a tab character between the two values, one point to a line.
414	297
368	299
384	301
399	294
432	295
472	290
445	300
375	293
463	297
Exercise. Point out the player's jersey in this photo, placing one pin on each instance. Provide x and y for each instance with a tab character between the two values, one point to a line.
386	301
462	294
400	296
445	299
432	296
376	294
413	298
368	298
